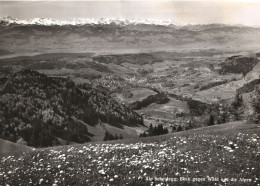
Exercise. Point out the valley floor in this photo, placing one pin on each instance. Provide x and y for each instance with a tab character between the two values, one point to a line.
226	154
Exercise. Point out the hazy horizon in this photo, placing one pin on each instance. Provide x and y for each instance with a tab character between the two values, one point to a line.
181	12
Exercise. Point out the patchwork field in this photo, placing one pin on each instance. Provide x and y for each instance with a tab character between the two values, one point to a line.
157	85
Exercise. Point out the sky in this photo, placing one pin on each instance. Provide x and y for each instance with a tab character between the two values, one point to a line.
244	12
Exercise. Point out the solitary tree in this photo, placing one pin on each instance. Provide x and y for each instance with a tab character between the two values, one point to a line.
211	120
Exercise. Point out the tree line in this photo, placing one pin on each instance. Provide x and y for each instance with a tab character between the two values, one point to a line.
155	131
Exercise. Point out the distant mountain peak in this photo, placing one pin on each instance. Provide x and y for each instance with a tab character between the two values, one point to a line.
83	21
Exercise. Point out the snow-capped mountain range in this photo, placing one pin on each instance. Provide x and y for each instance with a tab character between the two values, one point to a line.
84	21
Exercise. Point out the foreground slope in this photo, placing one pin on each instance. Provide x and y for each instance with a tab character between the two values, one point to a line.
226	154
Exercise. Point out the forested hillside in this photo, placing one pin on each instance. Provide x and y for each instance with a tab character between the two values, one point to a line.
38	110
238	64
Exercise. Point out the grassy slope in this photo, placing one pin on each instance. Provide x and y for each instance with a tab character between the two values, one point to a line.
7	148
4	52
191	154
98	131
227	129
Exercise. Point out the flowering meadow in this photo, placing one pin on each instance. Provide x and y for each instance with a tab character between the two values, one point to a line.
190	159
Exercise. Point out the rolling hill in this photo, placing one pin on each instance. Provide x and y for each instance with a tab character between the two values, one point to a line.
158	89
42	110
